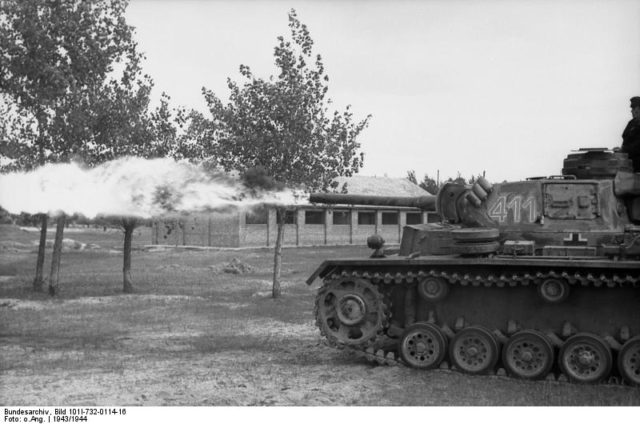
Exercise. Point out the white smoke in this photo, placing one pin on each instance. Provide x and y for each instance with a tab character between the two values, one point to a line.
129	187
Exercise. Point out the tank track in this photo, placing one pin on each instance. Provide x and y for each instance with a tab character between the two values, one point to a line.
381	351
504	280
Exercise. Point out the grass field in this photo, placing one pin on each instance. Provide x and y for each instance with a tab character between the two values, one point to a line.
193	334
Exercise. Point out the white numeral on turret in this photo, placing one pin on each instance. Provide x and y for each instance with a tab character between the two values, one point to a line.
500	209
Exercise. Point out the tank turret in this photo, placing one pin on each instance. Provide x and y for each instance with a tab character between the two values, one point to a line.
596	163
538	278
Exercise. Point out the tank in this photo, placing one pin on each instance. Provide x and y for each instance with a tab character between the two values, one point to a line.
535	279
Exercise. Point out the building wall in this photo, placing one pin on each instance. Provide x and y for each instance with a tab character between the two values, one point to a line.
224	229
311	234
230	229
339	233
290	231
211	229
195	230
164	231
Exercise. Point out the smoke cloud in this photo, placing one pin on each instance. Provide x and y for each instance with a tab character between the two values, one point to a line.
129	187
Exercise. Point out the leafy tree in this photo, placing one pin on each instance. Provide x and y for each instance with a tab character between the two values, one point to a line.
411	176
431	185
459	179
71	78
5	217
283	125
427	183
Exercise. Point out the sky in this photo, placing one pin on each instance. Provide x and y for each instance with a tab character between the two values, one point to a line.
505	88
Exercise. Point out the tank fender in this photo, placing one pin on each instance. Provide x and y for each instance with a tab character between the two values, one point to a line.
322	270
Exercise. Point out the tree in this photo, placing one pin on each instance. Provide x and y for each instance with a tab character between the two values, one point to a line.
459	179
70	74
128	224
283	125
411	176
427	183
432	186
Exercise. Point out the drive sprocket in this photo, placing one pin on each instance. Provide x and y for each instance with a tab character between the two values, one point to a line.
350	312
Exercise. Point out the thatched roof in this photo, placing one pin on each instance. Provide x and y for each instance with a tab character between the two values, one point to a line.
379	186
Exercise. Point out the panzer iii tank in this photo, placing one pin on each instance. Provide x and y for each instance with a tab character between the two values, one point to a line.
536	279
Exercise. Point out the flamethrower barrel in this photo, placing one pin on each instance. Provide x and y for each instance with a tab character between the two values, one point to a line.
427	203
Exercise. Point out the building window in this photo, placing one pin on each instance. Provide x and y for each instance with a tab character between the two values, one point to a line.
414	218
366	218
389	218
341	217
314	217
257	215
433	217
289	216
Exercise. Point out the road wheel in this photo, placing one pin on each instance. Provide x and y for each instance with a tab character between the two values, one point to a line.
629	361
474	350
423	346
528	354
585	358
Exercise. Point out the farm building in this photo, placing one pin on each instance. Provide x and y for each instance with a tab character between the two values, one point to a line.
306	225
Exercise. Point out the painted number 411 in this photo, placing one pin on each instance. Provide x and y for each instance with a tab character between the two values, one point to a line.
500	209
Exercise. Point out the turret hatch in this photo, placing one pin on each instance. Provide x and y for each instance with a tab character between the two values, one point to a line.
571	201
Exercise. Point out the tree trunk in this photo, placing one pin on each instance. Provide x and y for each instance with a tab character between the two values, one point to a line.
129	225
38	281
277	257
57	254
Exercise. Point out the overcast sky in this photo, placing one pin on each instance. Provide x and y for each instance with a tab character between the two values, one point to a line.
506	87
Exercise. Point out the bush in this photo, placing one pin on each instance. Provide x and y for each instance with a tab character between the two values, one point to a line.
27	220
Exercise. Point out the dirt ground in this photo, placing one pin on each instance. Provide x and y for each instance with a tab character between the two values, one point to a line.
197	333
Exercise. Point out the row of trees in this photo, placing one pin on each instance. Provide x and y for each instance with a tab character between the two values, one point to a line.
72	87
432	185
